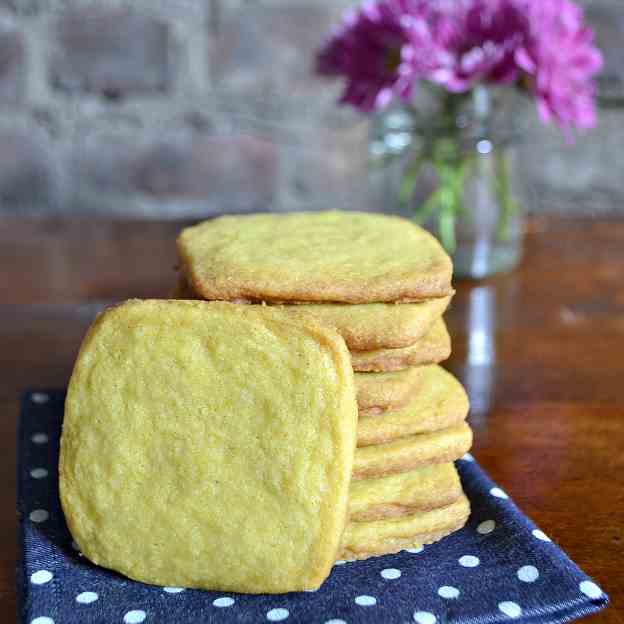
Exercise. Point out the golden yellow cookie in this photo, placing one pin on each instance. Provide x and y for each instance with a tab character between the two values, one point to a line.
408	453
402	494
379	392
433	347
381	537
376	325
348	257
209	445
364	326
440	402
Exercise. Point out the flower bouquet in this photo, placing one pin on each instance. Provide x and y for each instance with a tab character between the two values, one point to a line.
465	53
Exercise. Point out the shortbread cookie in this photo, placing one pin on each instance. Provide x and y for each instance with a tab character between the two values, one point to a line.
379	392
402	494
382	537
377	325
433	347
408	453
209	445
440	402
365	326
345	257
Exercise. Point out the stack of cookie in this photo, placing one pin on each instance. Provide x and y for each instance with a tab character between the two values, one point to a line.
383	284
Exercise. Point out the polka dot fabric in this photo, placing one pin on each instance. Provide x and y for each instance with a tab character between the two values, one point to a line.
499	568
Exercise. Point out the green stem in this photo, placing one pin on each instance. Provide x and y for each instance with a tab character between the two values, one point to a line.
408	183
502	189
429	206
443	149
446	226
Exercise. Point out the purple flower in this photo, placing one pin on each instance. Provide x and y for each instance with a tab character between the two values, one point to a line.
477	40
381	50
385	47
560	60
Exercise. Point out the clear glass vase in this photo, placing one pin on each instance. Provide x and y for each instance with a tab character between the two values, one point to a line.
447	162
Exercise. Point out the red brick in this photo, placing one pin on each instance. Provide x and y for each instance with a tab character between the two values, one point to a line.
269	47
29	178
232	172
12	67
187	171
607	20
113	52
22	7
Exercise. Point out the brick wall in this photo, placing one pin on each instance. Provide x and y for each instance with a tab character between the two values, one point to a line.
193	107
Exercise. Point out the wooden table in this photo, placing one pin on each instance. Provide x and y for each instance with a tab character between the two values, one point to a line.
541	352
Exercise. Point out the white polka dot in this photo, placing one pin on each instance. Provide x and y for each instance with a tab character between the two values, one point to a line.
311	591
41	577
38	473
540	535
415	550
591	590
339	562
424	617
496	491
365	601
469	561
39	397
40	438
42	620
510	609
391	573
39	515
135	617
467	457
528	574
487	526
86	597
277	615
173	590
334	621
224	601
446	591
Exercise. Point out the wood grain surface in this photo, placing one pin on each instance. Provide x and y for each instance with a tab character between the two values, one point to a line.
541	352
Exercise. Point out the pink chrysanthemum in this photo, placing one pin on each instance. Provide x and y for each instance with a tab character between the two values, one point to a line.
560	60
477	40
380	50
385	47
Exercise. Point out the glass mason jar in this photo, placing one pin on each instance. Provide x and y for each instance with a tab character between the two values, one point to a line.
447	162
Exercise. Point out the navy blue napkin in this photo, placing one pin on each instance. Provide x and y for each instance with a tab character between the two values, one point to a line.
499	568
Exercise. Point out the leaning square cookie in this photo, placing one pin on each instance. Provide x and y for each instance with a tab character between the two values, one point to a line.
209	445
348	257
